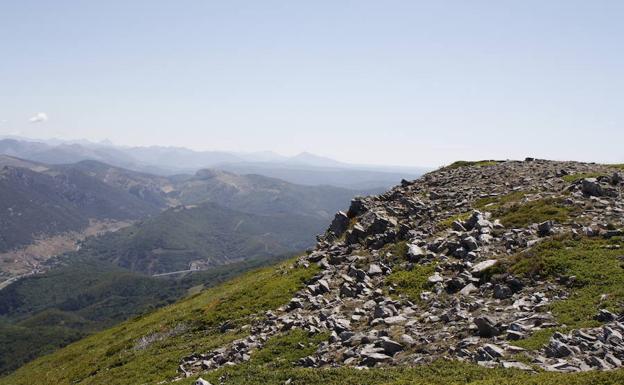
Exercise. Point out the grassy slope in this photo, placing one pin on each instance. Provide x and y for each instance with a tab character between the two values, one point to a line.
111	357
169	241
38	203
598	271
42	313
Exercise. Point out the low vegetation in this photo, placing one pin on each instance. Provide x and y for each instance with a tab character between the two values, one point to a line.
438	373
465	163
493	203
411	283
575	177
524	214
42	313
110	357
446	223
283	351
513	210
593	269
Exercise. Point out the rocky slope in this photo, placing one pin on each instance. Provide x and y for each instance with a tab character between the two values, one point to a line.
478	273
456	266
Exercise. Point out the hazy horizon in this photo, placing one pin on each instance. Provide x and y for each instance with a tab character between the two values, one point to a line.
395	83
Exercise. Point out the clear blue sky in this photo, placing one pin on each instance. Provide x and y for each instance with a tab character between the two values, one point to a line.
388	82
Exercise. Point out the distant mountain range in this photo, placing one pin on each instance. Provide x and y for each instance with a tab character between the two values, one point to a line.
214	221
305	168
40	199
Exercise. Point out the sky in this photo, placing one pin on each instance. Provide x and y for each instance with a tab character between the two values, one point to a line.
414	83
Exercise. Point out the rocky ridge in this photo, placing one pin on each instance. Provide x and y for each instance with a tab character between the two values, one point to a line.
448	225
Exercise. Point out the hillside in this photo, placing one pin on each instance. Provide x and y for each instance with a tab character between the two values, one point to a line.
259	194
229	219
207	235
480	272
39	314
53	201
109	279
50	207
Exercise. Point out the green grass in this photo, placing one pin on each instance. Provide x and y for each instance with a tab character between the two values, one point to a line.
411	283
284	350
618	166
496	202
446	223
42	313
574	177
438	373
598	271
512	212
110	358
465	163
524	214
397	250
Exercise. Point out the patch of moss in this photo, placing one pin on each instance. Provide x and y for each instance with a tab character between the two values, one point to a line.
465	163
574	177
437	373
284	350
598	280
494	203
537	340
524	214
397	251
446	223
411	283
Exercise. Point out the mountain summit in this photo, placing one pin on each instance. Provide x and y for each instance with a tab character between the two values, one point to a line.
504	272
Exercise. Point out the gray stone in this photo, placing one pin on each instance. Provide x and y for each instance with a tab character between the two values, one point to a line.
494	350
605	315
435	278
340	223
390	347
515	365
468	289
470	243
486	326
590	186
372	358
347	291
323	286
514	335
406	339
480	267
545	228
502	291
395	320
374	269
558	349
415	252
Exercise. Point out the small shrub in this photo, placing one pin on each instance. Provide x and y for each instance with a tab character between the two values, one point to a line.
465	163
524	214
598	283
284	350
411	283
574	177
